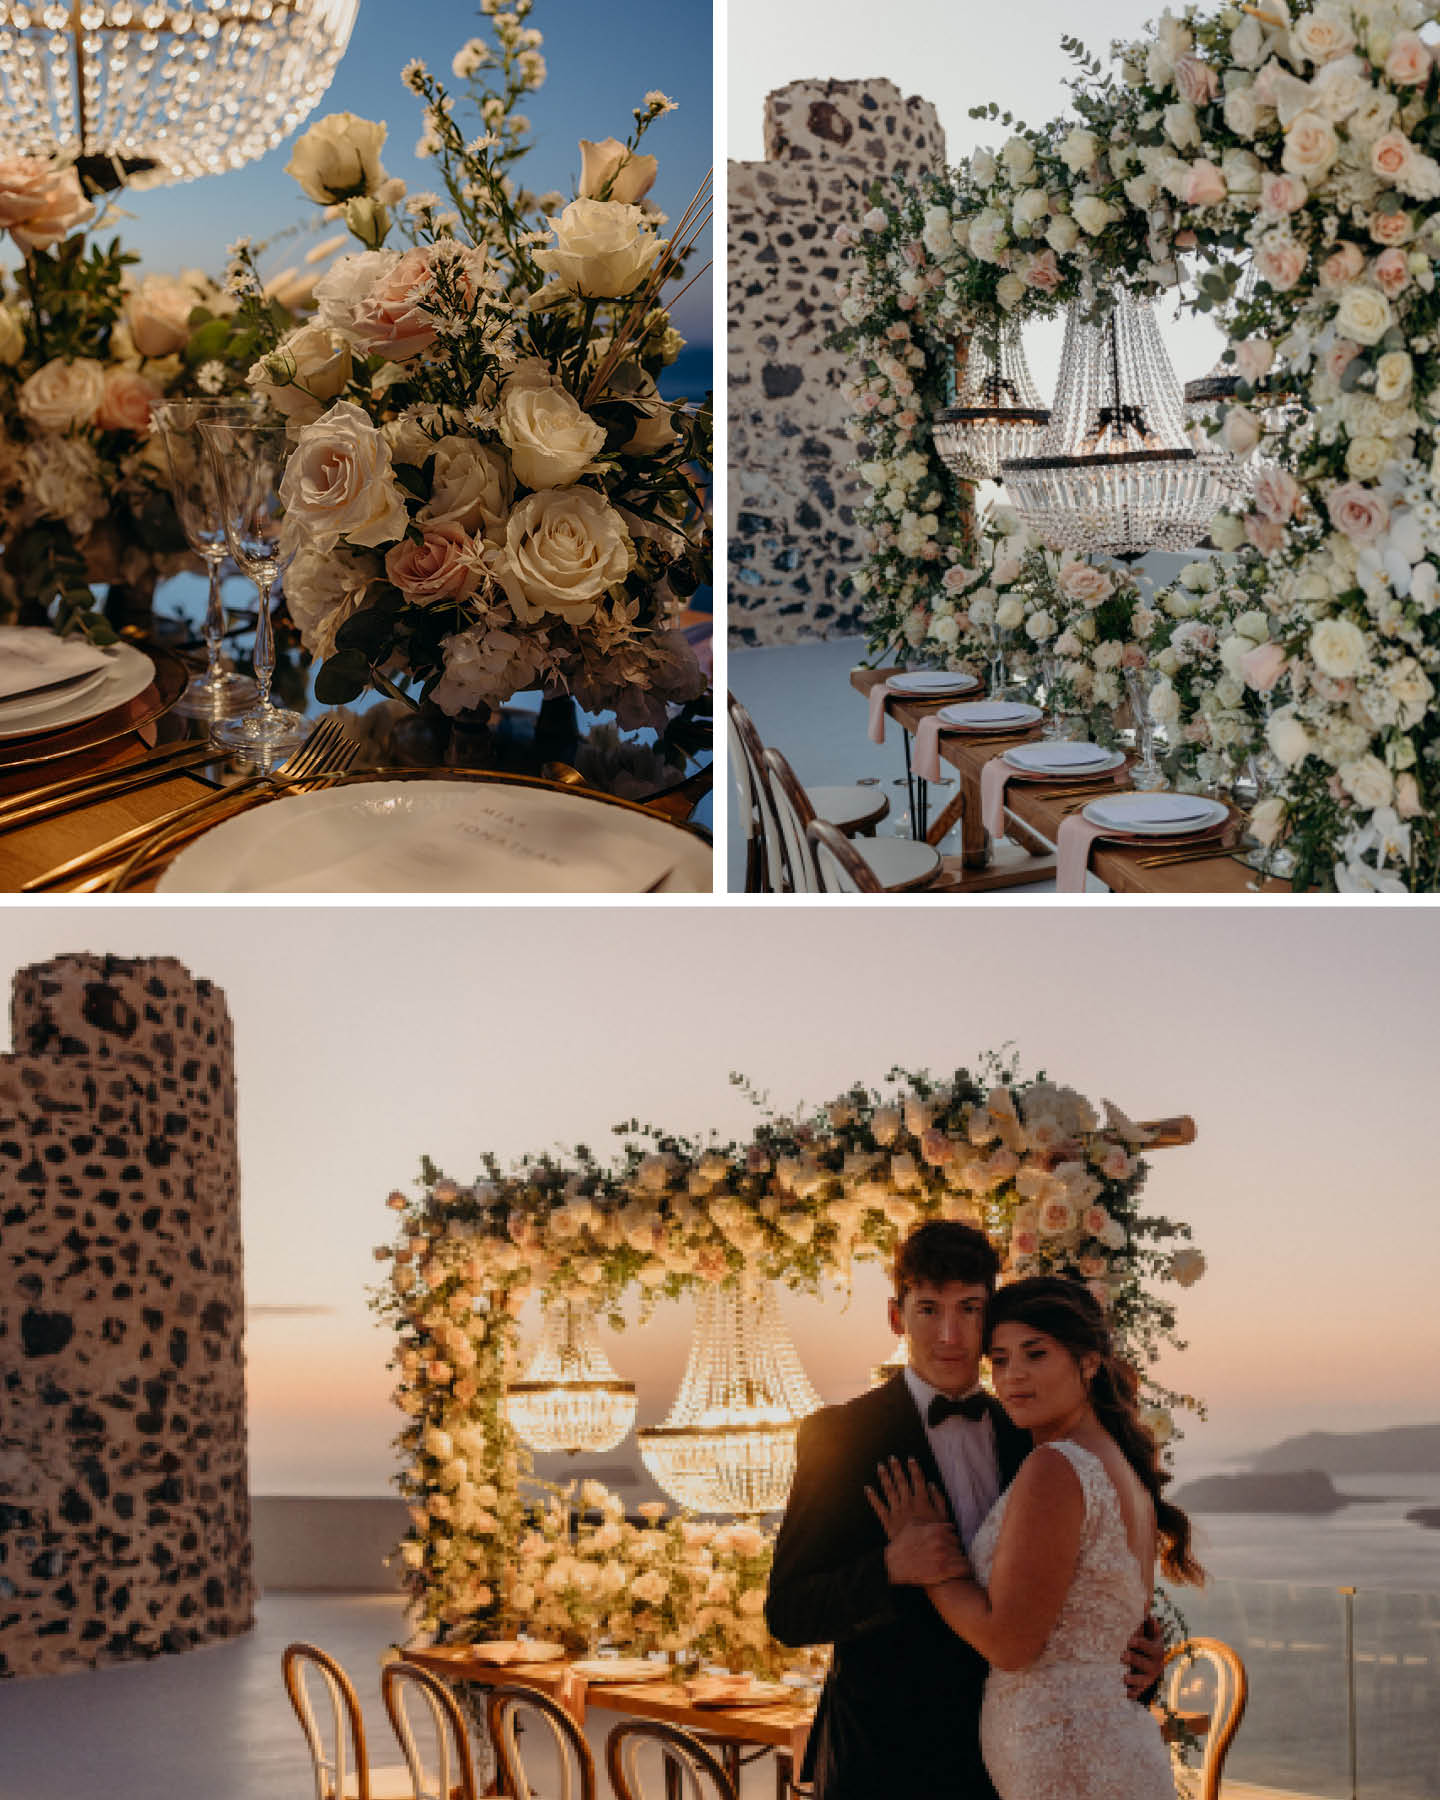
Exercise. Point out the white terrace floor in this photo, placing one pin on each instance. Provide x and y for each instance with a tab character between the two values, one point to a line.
215	1723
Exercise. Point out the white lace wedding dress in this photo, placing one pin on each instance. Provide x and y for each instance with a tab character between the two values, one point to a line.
1064	1729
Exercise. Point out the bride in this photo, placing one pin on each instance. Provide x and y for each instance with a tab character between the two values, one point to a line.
1064	1566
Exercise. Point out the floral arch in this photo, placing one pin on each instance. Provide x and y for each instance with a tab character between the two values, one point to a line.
800	1202
1279	170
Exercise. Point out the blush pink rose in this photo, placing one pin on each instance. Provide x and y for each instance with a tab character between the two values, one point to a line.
1277	494
1195	81
1391	155
1282	194
1391	270
61	209
1091	587
1044	273
1204	185
443	566
1263	666
1133	657
1339	357
1342	266
1254	359
1358	511
1265	534
1006	570
1281	261
1408	63
914	254
127	402
24	186
390	321
1391	228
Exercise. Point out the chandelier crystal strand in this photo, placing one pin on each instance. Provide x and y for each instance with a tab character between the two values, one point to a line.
728	1442
1117	474
153	93
571	1397
997	413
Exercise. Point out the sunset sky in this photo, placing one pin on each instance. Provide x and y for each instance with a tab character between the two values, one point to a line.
1302	1041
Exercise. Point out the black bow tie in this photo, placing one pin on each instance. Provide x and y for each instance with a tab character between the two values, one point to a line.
969	1406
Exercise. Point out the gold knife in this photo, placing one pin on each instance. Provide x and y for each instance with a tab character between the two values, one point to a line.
59	797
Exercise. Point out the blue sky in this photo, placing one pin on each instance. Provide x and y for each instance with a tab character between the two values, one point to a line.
601	60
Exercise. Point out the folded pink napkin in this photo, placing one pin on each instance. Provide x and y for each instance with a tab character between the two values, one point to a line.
1072	844
879	694
995	778
927	748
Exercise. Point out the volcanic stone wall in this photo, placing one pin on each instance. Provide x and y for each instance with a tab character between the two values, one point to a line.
124	1499
793	535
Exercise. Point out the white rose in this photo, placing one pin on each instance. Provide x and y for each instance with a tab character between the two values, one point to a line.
1244	114
1266	821
304	372
629	178
1080	150
337	157
1227	531
1062	234
1164	703
1337	648
158	314
1009	613
471	487
1018	156
1368	782
1181	126
984	168
563	548
62	395
1364	314
1030	206
1393	374
1009	291
1365	457
1287	737
603	249
339	483
1323	34
1310	146
1092	215
551	438
322	590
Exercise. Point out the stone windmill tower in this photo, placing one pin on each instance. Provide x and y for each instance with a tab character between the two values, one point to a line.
124	1499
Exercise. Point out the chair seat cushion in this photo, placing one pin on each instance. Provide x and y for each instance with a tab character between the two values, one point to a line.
899	862
389	1782
847	807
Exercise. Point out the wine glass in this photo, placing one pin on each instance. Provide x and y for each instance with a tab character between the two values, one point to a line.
249	460
218	691
1145	774
1051	675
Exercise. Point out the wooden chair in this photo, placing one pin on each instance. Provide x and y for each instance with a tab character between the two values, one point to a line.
895	864
686	1766
853	810
504	1707
332	1754
444	1726
1206	1677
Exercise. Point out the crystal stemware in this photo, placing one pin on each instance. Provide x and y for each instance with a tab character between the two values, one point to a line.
249	460
1051	675
218	691
999	669
1146	773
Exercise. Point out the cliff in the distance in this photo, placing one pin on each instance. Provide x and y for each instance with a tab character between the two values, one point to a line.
1401	1450
1308	1491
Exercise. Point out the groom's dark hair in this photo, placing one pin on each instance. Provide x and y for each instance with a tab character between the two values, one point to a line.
945	1250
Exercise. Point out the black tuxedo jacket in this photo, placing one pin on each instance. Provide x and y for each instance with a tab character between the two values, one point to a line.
900	1710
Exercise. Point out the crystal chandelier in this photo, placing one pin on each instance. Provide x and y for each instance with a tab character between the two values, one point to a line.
998	413
898	1359
571	1398
137	92
1117	474
1204	399
728	1443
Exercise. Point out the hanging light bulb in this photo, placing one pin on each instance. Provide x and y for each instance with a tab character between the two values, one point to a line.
147	92
997	412
571	1397
1117	474
728	1442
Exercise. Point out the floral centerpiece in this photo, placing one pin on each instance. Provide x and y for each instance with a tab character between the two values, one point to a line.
486	492
800	1201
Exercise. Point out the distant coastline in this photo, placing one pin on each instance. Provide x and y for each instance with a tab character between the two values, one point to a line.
1305	1491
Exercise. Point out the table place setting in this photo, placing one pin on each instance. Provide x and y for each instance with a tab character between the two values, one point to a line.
51	686
1068	766
919	686
1134	818
990	718
714	1690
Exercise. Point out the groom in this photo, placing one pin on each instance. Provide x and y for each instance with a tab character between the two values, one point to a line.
900	1711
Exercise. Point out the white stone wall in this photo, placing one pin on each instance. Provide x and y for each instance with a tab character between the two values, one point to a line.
124	1498
793	535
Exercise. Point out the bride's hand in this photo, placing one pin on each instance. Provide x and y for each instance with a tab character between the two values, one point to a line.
923	1549
908	1499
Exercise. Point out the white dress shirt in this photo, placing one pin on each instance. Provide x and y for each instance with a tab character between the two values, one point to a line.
965	1451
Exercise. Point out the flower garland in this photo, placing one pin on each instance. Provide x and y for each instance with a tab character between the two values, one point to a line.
801	1202
1296	155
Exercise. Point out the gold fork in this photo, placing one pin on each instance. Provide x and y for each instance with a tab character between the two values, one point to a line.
327	751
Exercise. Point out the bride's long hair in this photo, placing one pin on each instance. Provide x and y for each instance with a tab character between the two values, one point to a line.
1067	1311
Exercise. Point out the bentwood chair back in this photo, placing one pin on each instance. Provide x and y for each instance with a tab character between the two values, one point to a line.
765	847
1205	1676
505	1709
408	1689
842	869
336	1736
686	1768
793	808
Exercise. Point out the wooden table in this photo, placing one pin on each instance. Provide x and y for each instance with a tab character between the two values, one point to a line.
1036	820
782	1728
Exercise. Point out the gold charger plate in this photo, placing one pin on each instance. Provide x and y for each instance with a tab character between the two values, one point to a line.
172	677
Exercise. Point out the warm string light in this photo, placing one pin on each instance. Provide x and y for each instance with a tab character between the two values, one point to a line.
152	94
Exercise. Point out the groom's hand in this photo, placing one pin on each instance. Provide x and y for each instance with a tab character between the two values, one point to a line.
924	1555
1144	1660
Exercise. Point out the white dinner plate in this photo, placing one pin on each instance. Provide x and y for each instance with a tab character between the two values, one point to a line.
930	684
27	706
127	672
620	1668
988	715
1062	759
33	657
1156	815
440	837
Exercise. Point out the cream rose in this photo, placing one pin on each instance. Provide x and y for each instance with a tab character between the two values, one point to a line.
54	211
339	483
1018	156
1310	146
304	372
1393	373
551	438
322	590
1092	214
1062	234
1392	156
1180	125
1241	431
61	396
158	314
338	157
127	402
1365	457
1088	586
1080	150
471	486
444	565
603	249
1408	63
1367	781
1364	315
1337	648
563	548
1322	35
1287	737
609	165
